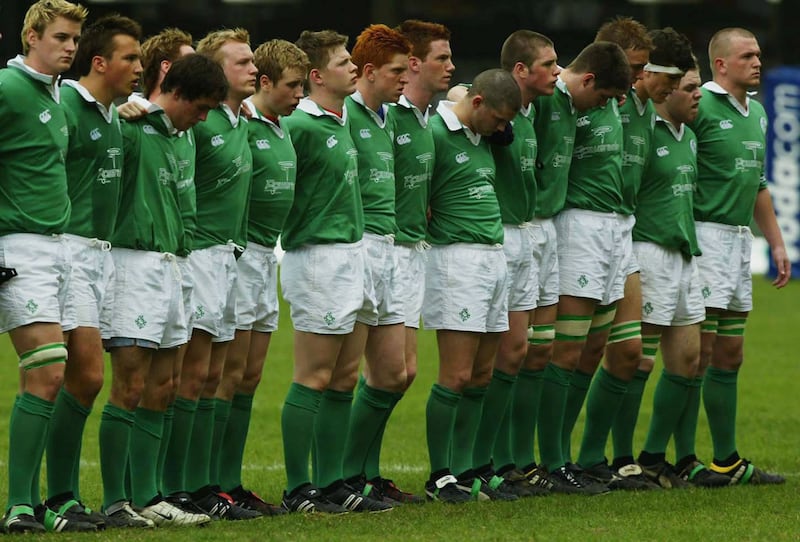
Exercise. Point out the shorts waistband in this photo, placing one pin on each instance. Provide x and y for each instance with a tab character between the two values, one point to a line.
419	246
725	227
92	242
258	248
520	226
473	246
598	214
542	221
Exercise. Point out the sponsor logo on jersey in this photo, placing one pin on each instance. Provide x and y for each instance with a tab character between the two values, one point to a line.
480	192
636	157
351	175
165	176
45	116
107	175
365	133
95	134
262	144
726	124
583	121
625	118
662	152
687	172
462	158
149	129
601	132
217	140
331	142
763	122
403	139
555	116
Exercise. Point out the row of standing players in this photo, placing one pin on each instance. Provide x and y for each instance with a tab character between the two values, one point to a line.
368	199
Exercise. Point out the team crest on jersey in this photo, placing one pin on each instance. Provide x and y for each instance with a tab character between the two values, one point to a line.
662	152
763	122
45	116
462	158
726	124
95	134
262	144
331	142
693	146
365	133
582	121
217	140
403	139
149	130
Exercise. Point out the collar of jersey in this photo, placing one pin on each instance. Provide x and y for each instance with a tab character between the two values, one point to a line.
233	118
359	99
87	96
450	119
313	108
641	107
422	117
677	133
562	86
714	87
258	116
48	80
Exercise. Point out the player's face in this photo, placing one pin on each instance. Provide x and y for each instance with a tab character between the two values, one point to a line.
660	85
339	74
488	120
437	68
287	92
53	52
742	66
391	78
190	112
543	73
683	102
637	58
237	63
123	69
588	96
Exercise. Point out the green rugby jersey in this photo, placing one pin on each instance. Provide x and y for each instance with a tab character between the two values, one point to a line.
373	137
327	203
731	145
464	206
516	164
274	175
33	149
413	167
638	120
595	176
187	197
223	174
94	162
149	217
554	124
664	212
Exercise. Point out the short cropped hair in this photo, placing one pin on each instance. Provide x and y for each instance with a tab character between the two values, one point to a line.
97	39
44	12
211	44
522	46
421	34
274	56
377	44
671	49
719	45
607	61
195	77
319	45
498	89
166	45
626	32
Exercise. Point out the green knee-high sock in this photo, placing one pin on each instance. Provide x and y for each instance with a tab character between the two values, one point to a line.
525	415
173	478
166	437
222	413
576	395
232	451
495	406
687	424
369	415
300	409
624	424
36	497
199	460
669	401
555	386
605	396
468	417
502	453
148	426
330	434
64	443
440	419
114	440
372	466
719	398
27	436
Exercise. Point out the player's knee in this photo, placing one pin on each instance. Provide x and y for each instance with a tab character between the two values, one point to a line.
44	369
411	375
249	382
87	388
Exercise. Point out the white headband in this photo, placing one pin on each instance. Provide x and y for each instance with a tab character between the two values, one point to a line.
672	70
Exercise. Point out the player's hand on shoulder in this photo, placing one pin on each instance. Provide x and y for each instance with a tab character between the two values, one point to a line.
131	111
